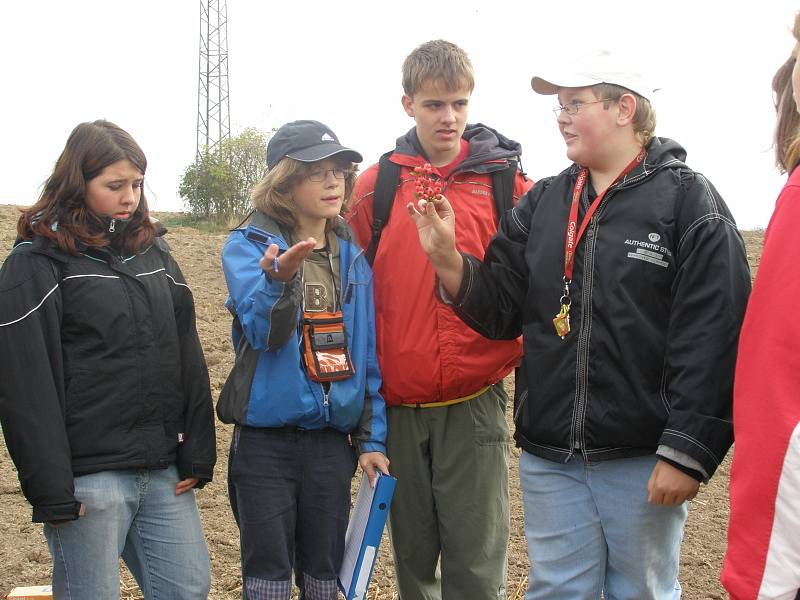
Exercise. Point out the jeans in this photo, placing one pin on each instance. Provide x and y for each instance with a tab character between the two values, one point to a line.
590	529
289	490
135	514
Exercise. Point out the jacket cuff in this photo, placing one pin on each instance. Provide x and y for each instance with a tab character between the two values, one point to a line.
674	456
696	475
68	511
456	301
204	473
367	446
704	439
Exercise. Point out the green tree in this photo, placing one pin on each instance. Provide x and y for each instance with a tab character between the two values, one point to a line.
217	186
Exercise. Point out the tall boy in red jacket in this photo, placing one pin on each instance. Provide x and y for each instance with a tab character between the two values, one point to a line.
442	382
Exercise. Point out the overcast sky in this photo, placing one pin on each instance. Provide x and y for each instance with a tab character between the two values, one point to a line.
136	63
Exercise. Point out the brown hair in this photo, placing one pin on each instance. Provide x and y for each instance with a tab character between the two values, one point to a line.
61	214
644	119
440	61
787	127
273	194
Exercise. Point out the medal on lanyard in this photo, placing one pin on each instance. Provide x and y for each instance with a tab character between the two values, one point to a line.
561	320
574	235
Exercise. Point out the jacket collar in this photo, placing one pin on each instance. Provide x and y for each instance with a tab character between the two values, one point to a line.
489	150
45	246
266	224
662	153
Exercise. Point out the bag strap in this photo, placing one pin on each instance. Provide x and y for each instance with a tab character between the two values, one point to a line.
383	198
386	187
503	188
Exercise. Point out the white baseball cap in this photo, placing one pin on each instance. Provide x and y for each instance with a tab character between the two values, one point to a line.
600	67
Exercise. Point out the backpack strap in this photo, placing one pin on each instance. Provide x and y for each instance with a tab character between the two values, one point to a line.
503	188
386	187
383	198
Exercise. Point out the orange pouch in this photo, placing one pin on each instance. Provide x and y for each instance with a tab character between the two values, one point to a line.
325	347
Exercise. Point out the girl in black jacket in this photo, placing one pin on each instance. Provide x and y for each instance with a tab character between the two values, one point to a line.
105	400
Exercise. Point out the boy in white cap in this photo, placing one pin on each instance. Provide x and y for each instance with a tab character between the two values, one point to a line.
628	279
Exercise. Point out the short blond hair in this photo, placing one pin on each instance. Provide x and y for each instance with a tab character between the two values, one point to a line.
273	194
438	61
644	119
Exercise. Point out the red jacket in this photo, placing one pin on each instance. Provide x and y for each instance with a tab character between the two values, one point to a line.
763	557
426	353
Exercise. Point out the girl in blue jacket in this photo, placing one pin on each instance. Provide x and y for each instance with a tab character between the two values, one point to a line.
303	392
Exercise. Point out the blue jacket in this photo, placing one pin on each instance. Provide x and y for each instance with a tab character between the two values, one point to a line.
268	386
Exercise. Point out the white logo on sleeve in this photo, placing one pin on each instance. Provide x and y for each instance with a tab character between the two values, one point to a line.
650	251
326	137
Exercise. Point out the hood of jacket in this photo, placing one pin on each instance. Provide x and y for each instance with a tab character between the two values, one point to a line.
48	247
488	149
661	153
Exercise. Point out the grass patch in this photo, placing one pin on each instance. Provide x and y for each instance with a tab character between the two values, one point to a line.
171	220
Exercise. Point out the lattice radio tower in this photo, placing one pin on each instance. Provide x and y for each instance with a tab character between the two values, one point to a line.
213	108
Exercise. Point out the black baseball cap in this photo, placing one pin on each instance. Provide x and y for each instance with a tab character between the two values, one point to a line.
306	141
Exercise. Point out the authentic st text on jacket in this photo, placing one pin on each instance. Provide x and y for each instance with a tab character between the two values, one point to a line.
658	294
101	369
426	353
269	386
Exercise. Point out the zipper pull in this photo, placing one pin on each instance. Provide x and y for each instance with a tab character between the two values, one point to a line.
111	226
326	404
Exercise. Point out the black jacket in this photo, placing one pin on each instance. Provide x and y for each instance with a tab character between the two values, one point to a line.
658	294
100	368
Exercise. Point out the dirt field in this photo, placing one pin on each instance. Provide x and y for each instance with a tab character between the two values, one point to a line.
24	559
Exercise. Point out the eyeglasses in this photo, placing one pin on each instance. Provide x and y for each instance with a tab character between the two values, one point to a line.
319	175
572	108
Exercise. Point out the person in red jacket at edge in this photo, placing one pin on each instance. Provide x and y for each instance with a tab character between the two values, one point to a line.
447	434
763	556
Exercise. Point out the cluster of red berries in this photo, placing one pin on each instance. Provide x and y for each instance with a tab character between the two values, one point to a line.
428	188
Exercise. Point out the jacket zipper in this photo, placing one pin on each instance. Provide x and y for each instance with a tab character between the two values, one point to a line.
583	343
581	391
326	403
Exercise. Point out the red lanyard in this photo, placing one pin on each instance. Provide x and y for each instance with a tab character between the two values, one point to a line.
572	239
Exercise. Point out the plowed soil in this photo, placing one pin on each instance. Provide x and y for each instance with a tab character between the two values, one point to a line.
24	559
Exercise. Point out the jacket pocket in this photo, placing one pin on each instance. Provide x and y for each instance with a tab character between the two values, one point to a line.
99	415
235	395
355	288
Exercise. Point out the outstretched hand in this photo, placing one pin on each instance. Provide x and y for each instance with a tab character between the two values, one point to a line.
287	263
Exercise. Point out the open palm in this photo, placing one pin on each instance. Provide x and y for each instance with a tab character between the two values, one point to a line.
289	262
436	224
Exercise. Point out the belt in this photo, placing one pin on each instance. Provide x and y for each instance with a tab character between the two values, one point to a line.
447	402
